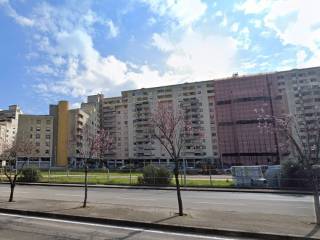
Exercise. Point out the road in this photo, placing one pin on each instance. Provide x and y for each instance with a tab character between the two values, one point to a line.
264	203
32	228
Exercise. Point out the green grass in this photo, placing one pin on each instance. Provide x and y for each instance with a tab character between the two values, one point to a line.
123	179
207	183
92	179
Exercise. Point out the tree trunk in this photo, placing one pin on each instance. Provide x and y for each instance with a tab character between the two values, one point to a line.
85	186
12	186
316	199
176	175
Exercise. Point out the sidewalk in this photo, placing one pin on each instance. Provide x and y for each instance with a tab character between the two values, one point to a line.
210	219
244	190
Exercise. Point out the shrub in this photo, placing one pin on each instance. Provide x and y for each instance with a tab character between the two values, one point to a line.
155	175
30	175
293	174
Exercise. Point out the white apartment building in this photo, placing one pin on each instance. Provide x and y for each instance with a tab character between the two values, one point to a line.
115	120
84	123
126	118
301	87
8	126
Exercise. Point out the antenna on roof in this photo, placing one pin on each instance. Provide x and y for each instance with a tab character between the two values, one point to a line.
235	74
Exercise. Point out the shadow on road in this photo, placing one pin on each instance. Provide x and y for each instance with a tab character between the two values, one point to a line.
313	231
165	219
133	233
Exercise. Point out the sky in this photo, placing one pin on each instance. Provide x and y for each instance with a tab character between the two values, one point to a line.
68	49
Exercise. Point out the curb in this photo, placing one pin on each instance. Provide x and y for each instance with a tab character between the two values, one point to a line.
154	226
196	189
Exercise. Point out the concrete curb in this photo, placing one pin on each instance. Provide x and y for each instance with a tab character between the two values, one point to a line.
196	189
155	226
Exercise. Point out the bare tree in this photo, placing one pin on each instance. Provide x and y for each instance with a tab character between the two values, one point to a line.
9	155
92	146
173	129
302	135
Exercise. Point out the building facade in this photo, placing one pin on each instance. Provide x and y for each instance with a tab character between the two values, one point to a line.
84	125
37	132
8	126
227	111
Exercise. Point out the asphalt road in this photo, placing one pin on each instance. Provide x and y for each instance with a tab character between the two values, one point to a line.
32	228
292	205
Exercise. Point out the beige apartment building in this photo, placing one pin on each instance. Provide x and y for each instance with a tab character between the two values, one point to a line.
37	131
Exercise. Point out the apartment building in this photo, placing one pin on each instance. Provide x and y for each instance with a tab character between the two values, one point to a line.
60	114
37	132
84	124
8	126
127	119
114	119
301	88
240	103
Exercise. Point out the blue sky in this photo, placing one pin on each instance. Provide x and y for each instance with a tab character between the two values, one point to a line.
53	50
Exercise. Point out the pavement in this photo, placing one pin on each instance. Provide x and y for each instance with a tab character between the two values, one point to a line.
34	228
279	214
197	189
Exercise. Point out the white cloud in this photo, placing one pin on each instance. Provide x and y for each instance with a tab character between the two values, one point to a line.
202	57
301	57
235	27
185	12
224	21
21	20
256	23
294	22
243	38
113	30
44	69
253	6
162	43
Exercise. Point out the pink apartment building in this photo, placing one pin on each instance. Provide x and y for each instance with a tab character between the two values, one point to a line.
239	101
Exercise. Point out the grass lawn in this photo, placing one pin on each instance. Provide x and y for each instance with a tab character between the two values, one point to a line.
124	179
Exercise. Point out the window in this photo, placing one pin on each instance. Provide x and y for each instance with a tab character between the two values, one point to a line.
31	128
48	121
47	151
48	129
37	144
38	121
37	136
48	136
38	129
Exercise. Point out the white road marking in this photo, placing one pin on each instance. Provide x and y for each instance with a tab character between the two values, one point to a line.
118	227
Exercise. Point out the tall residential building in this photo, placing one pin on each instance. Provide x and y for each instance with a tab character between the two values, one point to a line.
37	132
8	126
60	115
227	110
240	102
127	119
301	88
84	124
115	120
